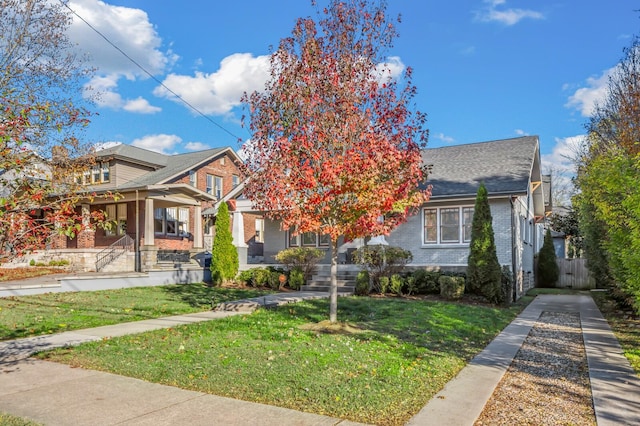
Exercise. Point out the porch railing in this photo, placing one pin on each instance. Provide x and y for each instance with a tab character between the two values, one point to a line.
115	250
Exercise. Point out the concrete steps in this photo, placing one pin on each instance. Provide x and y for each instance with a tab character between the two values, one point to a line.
321	280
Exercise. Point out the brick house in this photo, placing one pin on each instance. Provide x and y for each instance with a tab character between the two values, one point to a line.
438	235
163	210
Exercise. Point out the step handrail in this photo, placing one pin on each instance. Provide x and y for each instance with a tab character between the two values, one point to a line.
115	250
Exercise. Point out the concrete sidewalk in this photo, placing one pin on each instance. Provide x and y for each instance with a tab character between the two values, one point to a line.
614	384
56	394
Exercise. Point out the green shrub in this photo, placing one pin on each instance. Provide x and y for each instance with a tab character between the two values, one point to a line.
261	277
224	255
32	262
382	261
362	284
60	262
426	282
216	277
273	279
451	287
410	285
397	284
507	285
246	277
296	279
303	258
384	285
548	271
484	274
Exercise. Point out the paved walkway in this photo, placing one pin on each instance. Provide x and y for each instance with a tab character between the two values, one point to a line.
56	394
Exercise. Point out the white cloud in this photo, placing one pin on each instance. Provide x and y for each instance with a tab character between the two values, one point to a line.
219	92
161	143
141	106
560	164
586	98
390	70
131	31
509	16
521	132
444	138
102	90
196	146
564	153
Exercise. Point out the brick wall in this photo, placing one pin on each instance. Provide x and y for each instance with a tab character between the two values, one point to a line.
223	167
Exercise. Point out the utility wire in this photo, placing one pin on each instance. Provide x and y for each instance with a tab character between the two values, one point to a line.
150	74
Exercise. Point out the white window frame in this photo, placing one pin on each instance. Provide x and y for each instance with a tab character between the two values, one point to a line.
464	238
193	178
214	186
319	240
259	225
175	221
235	180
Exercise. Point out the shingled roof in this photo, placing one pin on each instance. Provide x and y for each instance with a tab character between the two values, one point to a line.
139	155
176	165
504	166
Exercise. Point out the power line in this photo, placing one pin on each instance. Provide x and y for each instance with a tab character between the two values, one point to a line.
150	74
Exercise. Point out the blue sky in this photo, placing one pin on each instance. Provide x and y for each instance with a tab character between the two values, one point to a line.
484	69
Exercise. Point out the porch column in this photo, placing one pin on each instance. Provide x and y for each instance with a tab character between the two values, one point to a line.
86	238
197	228
149	239
148	253
237	232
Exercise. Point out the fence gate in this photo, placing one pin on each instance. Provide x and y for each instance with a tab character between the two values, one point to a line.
574	274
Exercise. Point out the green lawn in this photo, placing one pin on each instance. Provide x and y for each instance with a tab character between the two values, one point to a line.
23	316
9	420
624	325
388	360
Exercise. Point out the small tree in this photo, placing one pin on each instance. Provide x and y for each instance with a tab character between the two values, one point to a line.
335	139
224	255
548	271
483	271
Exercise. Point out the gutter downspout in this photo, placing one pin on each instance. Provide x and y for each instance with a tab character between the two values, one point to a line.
514	295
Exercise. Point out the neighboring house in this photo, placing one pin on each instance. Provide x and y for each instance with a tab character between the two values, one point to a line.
167	203
438	234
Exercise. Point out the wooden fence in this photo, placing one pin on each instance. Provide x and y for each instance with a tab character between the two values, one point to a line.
574	274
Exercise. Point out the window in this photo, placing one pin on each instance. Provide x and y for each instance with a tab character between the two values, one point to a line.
235	179
193	178
450	225
183	221
214	186
308	239
99	173
106	175
171	221
259	231
116	216
96	173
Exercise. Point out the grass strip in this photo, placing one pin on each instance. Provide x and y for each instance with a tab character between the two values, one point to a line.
389	357
24	316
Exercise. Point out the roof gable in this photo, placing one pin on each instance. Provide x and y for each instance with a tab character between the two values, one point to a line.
504	166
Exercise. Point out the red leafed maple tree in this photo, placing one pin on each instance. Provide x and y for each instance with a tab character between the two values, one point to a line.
335	141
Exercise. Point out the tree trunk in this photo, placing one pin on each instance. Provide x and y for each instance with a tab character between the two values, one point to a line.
333	289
